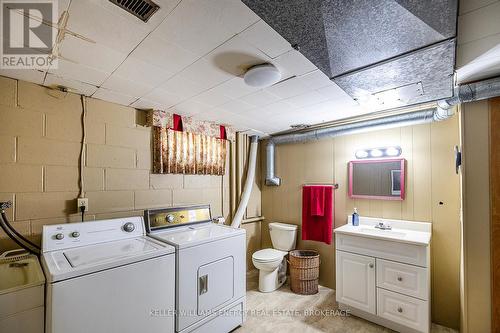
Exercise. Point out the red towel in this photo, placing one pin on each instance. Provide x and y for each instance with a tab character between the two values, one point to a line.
317	227
317	200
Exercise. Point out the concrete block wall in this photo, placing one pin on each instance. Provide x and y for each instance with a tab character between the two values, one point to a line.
40	140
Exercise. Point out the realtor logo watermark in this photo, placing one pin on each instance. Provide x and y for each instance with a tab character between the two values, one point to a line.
28	33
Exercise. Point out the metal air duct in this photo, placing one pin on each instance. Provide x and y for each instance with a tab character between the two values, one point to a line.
463	93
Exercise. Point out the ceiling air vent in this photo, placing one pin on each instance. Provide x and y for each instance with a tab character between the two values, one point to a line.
142	9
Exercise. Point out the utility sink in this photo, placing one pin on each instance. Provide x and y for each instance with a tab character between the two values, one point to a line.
22	285
411	232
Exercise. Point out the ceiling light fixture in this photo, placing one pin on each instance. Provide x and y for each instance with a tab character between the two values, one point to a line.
262	76
392	151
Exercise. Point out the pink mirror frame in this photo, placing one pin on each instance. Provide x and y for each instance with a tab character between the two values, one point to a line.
376	197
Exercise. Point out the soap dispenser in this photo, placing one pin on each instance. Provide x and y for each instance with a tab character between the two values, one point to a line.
355	217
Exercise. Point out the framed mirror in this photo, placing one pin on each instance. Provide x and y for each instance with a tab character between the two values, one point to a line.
377	179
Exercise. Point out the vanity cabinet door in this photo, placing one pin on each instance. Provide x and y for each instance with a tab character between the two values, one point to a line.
356	281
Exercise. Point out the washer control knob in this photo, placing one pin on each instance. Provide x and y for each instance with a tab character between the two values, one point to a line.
170	218
59	236
129	227
75	234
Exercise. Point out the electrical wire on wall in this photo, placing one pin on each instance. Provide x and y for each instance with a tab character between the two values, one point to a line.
83	153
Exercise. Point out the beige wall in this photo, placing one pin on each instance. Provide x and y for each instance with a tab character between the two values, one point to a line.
431	179
476	317
40	137
478	39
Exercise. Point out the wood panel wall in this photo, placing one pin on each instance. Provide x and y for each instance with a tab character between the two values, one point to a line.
495	211
431	179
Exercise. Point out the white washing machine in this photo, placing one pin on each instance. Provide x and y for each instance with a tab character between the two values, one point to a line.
107	277
210	268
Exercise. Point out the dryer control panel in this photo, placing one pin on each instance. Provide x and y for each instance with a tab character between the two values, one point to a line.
169	217
68	235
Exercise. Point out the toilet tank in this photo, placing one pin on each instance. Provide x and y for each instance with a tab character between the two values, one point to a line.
283	236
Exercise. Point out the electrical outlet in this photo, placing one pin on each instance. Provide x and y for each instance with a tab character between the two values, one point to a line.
83	202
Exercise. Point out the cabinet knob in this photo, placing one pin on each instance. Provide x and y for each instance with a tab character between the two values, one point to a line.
370	265
400	278
400	309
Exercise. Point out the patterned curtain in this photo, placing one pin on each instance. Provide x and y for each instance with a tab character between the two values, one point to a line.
188	153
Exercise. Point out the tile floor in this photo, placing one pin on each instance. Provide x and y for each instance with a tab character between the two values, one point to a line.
284	311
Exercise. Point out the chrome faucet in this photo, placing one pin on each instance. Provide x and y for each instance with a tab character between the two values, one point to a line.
383	226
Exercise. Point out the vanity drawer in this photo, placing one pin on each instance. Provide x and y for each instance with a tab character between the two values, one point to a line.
390	250
404	310
405	279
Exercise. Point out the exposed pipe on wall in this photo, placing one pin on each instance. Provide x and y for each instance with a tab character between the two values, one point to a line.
470	92
399	120
249	181
463	94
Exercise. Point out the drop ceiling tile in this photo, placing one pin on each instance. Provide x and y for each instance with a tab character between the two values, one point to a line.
280	107
142	72
260	98
69	70
189	108
205	74
214	114
30	75
93	55
236	55
106	25
316	80
63	5
236	88
114	97
126	86
288	88
293	63
212	97
162	97
201	26
266	39
236	106
334	93
309	98
74	86
181	87
146	105
167	55
264	114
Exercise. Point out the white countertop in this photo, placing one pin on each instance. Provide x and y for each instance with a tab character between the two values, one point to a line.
418	233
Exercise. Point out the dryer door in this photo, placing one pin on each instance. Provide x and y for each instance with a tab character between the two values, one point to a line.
209	277
215	284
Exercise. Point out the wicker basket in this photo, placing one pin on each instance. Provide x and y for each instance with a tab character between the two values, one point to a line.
304	271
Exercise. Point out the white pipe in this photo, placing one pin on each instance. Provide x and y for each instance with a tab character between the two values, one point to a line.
249	181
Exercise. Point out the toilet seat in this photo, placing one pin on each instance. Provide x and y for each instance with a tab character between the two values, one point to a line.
268	255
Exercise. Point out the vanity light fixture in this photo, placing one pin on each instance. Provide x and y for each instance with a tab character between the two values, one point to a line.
361	154
376	153
392	151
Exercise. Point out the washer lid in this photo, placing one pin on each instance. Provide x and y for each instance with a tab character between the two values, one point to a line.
267	255
93	255
73	262
182	237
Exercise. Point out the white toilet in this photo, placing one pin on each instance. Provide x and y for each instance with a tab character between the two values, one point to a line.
271	263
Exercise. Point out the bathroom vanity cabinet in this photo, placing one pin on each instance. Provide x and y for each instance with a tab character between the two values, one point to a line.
384	275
